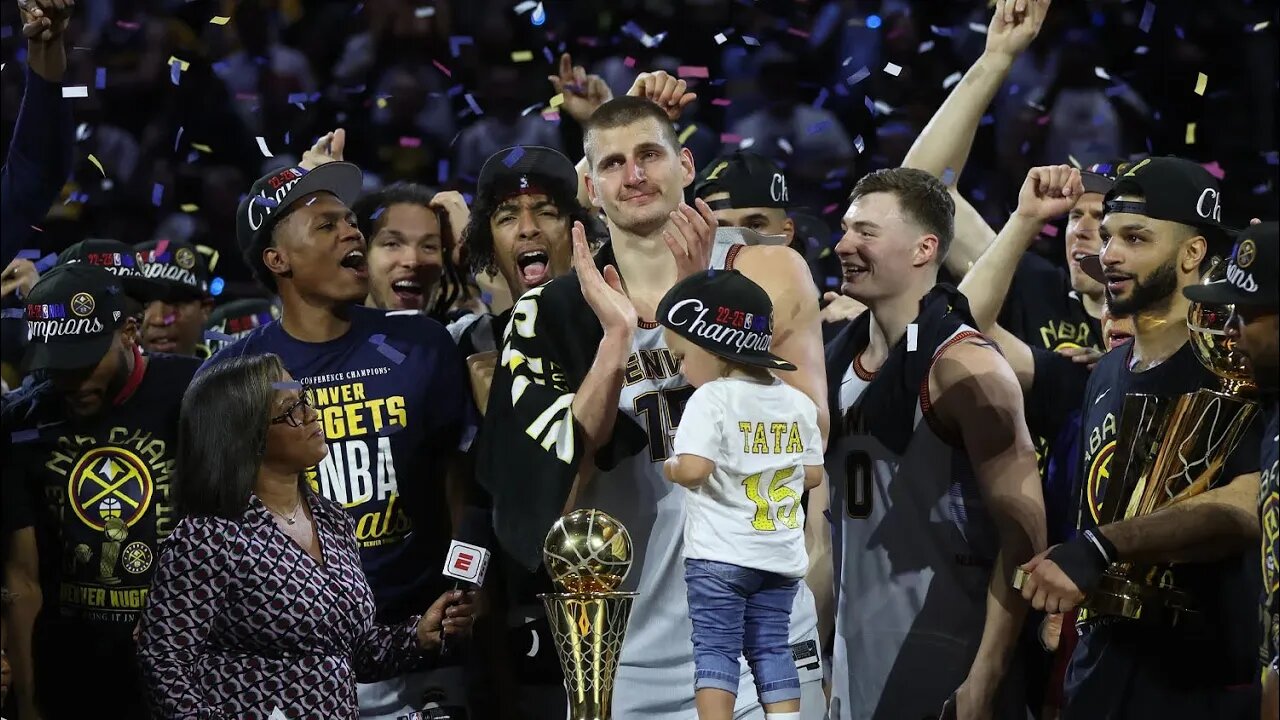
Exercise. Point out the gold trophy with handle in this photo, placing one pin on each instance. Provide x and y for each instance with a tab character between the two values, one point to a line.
588	554
1169	449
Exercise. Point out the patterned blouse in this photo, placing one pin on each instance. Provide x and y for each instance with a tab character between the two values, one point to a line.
241	622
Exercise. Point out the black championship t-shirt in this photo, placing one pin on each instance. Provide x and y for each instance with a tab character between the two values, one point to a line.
97	493
1269	509
1138	669
1043	311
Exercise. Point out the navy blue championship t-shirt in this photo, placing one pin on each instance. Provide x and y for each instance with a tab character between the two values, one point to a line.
96	492
1139	669
395	404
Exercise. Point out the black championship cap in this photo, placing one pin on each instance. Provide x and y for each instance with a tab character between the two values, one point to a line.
271	196
751	180
118	259
72	315
177	266
1100	177
1172	189
521	169
1251	278
724	313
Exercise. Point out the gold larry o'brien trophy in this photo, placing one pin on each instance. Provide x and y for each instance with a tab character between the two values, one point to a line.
588	554
1169	449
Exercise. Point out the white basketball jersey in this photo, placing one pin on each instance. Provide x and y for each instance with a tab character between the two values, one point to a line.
655	673
913	550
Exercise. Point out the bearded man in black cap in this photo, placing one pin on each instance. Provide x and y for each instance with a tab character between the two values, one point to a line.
86	494
1161	230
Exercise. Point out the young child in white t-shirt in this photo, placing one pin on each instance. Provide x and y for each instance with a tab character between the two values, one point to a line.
747	447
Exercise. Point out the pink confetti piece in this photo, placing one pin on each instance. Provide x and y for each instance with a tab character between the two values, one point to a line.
442	68
830	208
692	71
798	32
629	61
1049	231
1214	169
729	138
721	102
410	142
162	246
127	25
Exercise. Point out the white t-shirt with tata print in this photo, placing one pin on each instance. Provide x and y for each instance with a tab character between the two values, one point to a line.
760	437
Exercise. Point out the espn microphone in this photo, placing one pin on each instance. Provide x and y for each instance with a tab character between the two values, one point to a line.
468	558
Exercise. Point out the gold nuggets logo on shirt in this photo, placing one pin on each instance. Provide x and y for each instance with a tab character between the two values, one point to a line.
184	258
1099	474
82	304
109	484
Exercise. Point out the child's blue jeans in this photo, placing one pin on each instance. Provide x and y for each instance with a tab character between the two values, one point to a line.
740	611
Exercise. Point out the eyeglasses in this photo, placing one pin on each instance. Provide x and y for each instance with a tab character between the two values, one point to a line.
296	414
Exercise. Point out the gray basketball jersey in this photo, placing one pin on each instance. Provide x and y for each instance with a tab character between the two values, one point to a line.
655	673
913	548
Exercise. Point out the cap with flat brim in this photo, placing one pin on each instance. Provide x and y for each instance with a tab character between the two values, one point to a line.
1091	265
724	313
272	196
522	167
1222	292
1096	182
1250	277
67	354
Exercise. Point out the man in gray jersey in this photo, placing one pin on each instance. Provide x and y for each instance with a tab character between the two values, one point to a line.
933	474
587	397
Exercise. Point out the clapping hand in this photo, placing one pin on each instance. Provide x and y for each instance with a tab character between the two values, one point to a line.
603	292
697	233
583	93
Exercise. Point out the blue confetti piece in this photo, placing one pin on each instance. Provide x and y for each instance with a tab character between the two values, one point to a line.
841	90
100	78
28	254
221	67
391	353
822	98
546	53
871	105
948	176
818	127
378	213
175	72
157	194
22	436
287	385
265	202
456	42
178	139
46	262
377	339
455	91
442	171
216	286
513	157
1177	30
986	120
1272	158
216	336
1148	14
11	313
472	103
978	194
858	77
297	98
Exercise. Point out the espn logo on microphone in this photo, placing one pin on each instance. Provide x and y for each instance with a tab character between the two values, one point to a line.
466	562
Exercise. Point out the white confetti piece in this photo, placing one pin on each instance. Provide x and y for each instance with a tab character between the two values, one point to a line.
952	79
262	145
913	332
525	6
1101	73
893	70
925	47
75	91
721	39
1262	25
425	12
978	28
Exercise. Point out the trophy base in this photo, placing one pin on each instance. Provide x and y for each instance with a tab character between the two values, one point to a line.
1118	596
588	629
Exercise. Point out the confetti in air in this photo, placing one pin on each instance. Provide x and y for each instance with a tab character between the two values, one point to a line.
893	69
75	91
97	164
513	157
262	145
1202	81
219	20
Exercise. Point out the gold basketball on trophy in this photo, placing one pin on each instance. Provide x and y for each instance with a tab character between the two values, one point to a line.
587	551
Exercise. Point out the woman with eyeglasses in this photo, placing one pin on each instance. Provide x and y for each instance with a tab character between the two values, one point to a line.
259	607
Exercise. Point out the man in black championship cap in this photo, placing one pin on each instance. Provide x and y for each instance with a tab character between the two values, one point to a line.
1161	230
86	489
174	322
1252	285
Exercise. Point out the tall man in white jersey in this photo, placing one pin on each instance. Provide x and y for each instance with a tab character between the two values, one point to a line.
934	484
587	398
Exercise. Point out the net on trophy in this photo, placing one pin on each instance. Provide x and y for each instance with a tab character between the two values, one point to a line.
588	555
